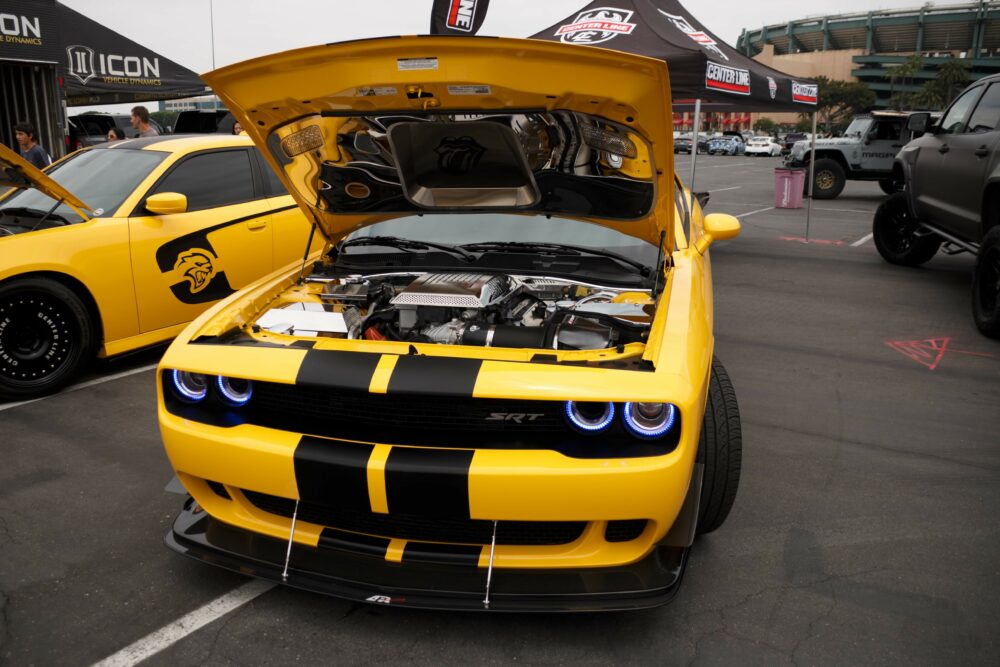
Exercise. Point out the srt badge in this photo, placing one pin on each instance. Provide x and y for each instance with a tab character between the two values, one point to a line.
596	25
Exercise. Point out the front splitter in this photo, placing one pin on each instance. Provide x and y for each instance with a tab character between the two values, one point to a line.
651	582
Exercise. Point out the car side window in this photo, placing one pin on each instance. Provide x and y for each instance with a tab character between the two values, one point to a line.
212	179
954	121
275	188
986	117
888	130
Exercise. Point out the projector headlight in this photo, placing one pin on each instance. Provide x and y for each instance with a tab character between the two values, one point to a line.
649	420
189	387
590	417
234	391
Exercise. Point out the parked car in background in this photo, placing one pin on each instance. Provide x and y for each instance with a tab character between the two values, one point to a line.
682	145
726	145
865	153
765	146
789	140
119	246
951	197
204	121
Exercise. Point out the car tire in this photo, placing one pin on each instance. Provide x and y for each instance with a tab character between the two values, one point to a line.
986	285
894	230
720	450
828	179
46	335
889	186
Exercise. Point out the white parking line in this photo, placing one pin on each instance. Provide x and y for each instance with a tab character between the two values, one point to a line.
760	210
864	239
842	210
735	187
168	635
82	385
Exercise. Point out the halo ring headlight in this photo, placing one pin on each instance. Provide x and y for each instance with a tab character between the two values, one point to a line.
234	391
649	420
589	417
189	387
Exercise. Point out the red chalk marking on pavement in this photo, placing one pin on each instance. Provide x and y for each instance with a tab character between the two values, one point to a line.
929	351
802	239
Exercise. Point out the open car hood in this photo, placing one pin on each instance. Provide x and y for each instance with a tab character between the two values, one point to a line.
369	130
16	172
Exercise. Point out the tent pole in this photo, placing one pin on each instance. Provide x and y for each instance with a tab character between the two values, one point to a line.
696	127
211	30
812	173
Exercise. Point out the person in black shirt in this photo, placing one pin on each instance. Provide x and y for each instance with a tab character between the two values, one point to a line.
31	150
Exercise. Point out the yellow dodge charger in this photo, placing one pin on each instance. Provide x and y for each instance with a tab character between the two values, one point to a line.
495	389
120	246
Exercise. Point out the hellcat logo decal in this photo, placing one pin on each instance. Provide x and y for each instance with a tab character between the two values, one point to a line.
196	266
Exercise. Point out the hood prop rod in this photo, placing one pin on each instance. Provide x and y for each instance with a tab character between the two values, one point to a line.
489	572
305	255
291	535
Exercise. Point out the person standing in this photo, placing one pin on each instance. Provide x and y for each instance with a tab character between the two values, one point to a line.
140	121
31	150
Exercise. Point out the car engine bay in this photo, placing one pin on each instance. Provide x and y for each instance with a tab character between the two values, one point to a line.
463	308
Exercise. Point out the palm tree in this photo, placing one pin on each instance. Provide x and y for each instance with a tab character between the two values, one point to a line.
905	72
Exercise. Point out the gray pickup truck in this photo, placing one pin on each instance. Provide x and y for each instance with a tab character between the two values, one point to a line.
864	153
951	199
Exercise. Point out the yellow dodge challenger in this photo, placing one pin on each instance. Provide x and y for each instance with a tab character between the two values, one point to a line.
495	388
120	246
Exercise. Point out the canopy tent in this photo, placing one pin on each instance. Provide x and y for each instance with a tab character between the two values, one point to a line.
95	64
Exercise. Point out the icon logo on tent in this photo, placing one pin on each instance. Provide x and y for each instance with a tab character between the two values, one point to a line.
596	25
772	87
81	62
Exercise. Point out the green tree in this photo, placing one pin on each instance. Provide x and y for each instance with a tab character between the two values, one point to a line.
951	78
765	125
904	73
839	100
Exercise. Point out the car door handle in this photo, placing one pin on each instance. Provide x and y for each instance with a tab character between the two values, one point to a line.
982	151
944	149
257	224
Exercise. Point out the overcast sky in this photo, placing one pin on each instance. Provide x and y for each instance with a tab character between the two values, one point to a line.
181	29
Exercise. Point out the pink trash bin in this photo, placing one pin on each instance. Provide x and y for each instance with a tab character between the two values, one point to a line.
788	187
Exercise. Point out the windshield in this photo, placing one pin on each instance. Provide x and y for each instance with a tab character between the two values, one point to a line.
100	178
502	227
858	127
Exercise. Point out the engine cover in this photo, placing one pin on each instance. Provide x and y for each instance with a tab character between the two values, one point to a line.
456	290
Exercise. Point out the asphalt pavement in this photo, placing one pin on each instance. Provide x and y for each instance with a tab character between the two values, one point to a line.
864	531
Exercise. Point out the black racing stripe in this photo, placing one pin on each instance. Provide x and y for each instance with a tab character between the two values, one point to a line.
334	368
333	472
441	376
448	554
331	538
431	482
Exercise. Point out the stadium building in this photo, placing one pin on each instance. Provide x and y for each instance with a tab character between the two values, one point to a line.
865	46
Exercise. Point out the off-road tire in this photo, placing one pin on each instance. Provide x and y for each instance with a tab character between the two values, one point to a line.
894	230
828	179
720	449
46	335
889	186
986	285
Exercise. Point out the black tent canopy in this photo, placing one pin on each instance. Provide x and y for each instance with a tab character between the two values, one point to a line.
701	65
95	64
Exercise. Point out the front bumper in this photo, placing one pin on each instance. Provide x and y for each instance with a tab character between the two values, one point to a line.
650	582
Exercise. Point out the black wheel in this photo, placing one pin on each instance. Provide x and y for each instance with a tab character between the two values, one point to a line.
889	186
828	179
720	450
45	335
895	232
986	285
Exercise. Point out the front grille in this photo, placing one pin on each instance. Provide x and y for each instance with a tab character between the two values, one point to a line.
411	412
422	528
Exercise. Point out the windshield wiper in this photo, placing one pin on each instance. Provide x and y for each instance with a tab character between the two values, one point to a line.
563	249
403	244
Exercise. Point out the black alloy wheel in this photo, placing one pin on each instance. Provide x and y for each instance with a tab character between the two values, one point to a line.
897	235
45	336
986	285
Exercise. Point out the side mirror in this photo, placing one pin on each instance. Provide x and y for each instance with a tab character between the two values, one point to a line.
165	203
717	227
918	123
